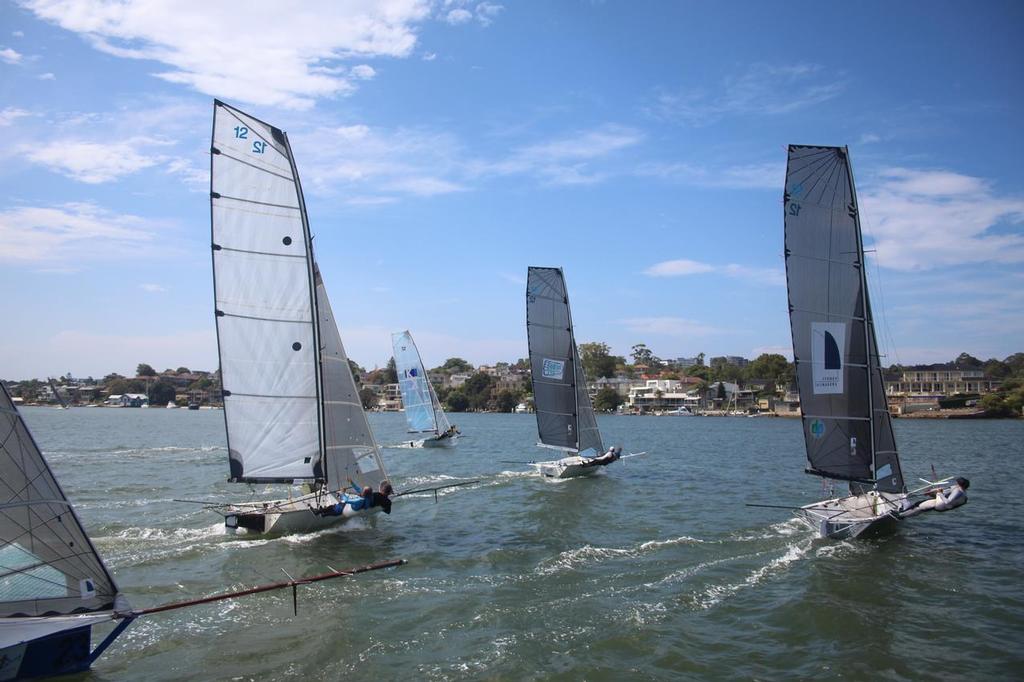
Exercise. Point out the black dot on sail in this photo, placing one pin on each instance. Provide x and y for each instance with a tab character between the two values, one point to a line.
296	346
287	241
832	360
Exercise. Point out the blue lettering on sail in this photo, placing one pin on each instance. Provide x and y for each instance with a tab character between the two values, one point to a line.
553	369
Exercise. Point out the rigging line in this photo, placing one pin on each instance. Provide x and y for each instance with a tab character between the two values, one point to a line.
813	169
852	264
818	173
67	538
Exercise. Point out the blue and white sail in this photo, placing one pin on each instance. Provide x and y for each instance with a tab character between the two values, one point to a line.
423	411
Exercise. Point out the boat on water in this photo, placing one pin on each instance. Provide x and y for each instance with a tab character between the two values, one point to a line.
847	428
565	416
291	407
423	412
61	403
54	586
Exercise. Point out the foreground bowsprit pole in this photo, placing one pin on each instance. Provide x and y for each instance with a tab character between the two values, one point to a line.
294	583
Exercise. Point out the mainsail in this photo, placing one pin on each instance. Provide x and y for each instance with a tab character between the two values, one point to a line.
847	427
565	417
290	403
48	565
423	411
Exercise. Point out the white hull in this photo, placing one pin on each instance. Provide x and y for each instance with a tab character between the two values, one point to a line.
435	442
567	467
853	516
282	517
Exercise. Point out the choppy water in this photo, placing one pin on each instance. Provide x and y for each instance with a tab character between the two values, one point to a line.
653	570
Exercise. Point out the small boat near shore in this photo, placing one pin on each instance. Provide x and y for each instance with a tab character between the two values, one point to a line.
423	412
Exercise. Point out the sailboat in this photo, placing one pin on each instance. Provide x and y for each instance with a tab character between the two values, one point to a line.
565	416
62	404
423	411
847	427
54	585
291	406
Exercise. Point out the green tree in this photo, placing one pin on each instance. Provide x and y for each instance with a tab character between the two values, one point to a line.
161	393
700	359
1007	401
772	366
144	370
607	400
368	398
700	371
478	390
597	361
183	370
521	364
457	401
357	371
506	400
967	361
996	369
642	355
456	365
391	372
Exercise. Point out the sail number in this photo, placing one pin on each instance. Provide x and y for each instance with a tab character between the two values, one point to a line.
258	146
794	209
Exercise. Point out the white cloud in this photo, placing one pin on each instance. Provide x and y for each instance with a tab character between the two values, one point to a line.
683	267
763	89
923	219
93	162
264	55
458	16
70	233
153	288
11	114
47	77
363	72
429	56
18	34
487	12
9	56
869	138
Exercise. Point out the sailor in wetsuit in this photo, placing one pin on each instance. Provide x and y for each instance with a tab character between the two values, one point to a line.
614	452
944	500
365	498
452	431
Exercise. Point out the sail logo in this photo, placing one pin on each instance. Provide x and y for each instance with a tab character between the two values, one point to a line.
553	369
827	345
87	588
817	428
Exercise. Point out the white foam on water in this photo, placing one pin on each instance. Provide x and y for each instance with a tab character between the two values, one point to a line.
714	594
589	554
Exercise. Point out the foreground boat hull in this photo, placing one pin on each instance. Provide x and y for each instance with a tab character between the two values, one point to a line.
283	517
567	467
46	646
855	516
449	442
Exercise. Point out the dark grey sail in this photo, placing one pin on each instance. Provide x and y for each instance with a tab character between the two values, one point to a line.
565	418
48	566
847	428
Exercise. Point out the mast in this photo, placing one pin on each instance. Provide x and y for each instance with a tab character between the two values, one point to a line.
575	358
311	266
868	330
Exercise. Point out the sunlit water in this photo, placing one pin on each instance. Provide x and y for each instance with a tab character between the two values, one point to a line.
654	569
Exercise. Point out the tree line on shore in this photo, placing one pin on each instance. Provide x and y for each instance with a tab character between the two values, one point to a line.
480	391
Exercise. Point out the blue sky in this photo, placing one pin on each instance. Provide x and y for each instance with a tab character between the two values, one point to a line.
445	146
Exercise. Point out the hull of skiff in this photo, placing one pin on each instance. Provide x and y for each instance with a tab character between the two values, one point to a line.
872	514
567	467
284	517
43	647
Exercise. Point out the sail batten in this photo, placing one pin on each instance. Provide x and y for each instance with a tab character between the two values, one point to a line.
565	416
834	345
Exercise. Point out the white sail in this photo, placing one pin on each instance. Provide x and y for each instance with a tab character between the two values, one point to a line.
265	308
351	451
48	566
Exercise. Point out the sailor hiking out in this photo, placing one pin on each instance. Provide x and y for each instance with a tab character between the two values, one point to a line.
364	499
943	500
613	454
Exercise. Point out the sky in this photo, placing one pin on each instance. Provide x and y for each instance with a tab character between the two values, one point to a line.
446	145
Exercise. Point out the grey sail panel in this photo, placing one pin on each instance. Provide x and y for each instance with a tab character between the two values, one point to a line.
48	566
847	428
827	312
552	358
351	451
267	338
590	434
888	474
